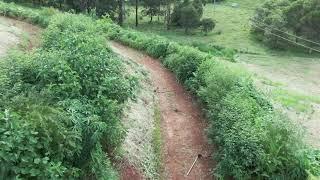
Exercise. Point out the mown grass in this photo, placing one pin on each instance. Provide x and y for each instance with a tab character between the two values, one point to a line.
232	29
298	101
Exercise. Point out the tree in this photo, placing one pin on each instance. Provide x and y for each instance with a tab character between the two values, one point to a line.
81	5
137	6
198	6
177	12
276	20
207	25
189	17
121	12
168	13
107	7
152	8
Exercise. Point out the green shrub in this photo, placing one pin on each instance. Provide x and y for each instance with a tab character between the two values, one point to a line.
207	25
61	105
184	62
35	16
254	142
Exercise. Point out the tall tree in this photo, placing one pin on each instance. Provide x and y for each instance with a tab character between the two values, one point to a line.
198	5
152	8
137	6
121	12
168	13
189	17
107	7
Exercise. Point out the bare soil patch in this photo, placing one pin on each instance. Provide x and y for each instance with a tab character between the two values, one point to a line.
129	172
182	122
14	32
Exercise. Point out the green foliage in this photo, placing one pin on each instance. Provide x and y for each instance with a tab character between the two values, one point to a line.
198	6
207	25
298	17
217	51
184	61
61	105
189	17
254	141
98	7
36	16
187	14
152	8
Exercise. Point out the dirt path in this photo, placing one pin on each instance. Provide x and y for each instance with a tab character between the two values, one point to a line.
13	32
182	122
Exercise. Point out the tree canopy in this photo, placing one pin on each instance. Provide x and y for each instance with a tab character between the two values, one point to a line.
289	19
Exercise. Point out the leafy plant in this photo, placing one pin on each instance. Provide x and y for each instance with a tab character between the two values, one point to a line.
61	105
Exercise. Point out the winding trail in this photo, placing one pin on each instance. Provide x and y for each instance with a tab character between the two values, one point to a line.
182	122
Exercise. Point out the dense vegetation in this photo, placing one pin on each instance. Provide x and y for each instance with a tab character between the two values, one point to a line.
289	19
186	13
60	105
255	141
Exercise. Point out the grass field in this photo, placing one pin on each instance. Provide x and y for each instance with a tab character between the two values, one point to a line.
232	26
288	77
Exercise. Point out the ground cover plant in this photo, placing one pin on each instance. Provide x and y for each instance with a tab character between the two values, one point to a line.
61	104
255	141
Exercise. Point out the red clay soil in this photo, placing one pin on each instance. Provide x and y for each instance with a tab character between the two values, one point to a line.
182	122
129	172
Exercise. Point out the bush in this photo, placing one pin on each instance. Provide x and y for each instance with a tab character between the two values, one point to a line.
187	14
61	105
35	16
207	25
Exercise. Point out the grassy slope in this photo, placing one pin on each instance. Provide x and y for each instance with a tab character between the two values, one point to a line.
228	20
233	31
232	28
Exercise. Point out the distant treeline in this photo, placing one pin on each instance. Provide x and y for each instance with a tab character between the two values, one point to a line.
294	20
186	13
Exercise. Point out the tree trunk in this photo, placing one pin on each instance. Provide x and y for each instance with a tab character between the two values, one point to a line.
137	4
168	14
159	10
120	17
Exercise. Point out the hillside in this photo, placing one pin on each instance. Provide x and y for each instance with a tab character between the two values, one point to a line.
288	77
96	100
